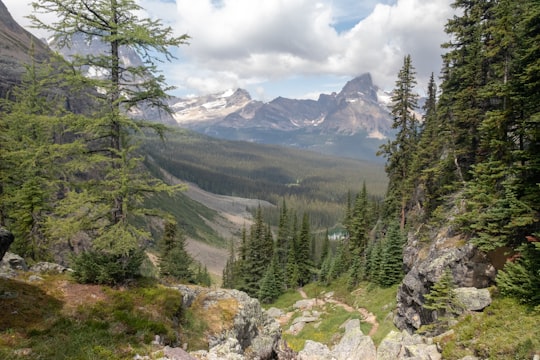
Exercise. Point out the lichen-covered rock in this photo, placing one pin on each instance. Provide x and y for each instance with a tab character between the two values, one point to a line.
315	351
425	265
403	346
48	267
13	262
391	347
354	345
473	299
247	326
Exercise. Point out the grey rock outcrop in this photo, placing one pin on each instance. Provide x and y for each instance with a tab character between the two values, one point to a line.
12	261
473	299
314	351
402	346
252	334
6	238
469	267
48	267
354	345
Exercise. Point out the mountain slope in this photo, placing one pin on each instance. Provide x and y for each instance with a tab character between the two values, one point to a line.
16	48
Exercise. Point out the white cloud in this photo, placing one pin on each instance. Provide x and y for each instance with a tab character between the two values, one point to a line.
250	44
277	39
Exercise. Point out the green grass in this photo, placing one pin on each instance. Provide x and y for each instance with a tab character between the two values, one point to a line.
504	330
121	324
380	301
328	330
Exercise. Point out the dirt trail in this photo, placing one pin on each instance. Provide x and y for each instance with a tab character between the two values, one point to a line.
367	316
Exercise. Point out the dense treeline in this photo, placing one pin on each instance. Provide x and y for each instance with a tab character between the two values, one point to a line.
265	263
479	139
310	182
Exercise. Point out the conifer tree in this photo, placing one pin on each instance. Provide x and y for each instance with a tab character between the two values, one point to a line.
271	287
229	273
392	257
442	300
520	278
174	260
119	185
37	161
303	253
399	152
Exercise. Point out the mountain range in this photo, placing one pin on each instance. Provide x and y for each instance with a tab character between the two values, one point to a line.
352	123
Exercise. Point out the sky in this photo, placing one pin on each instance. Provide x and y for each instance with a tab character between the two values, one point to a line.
292	48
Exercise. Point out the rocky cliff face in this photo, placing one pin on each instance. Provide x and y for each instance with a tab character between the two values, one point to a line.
15	51
425	263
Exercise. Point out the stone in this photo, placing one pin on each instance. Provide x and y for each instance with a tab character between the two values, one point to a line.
354	345
274	312
230	349
391	346
34	278
304	304
423	352
14	262
251	330
305	319
473	299
177	354
49	268
314	351
6	239
294	329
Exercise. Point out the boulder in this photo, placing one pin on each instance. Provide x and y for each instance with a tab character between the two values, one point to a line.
473	299
13	262
275	312
251	331
304	304
177	354
391	346
314	351
425	264
354	345
422	352
47	267
6	238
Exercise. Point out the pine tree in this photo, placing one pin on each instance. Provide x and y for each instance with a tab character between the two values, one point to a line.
399	152
119	185
271	287
520	278
229	273
392	257
174	260
303	253
442	300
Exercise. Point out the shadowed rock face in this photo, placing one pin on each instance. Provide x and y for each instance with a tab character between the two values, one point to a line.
15	51
6	238
469	266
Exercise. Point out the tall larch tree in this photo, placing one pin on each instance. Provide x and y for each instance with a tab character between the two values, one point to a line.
115	195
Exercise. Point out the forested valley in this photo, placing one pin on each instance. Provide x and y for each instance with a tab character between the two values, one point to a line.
81	186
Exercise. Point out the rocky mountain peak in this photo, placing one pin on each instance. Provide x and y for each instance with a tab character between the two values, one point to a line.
360	85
